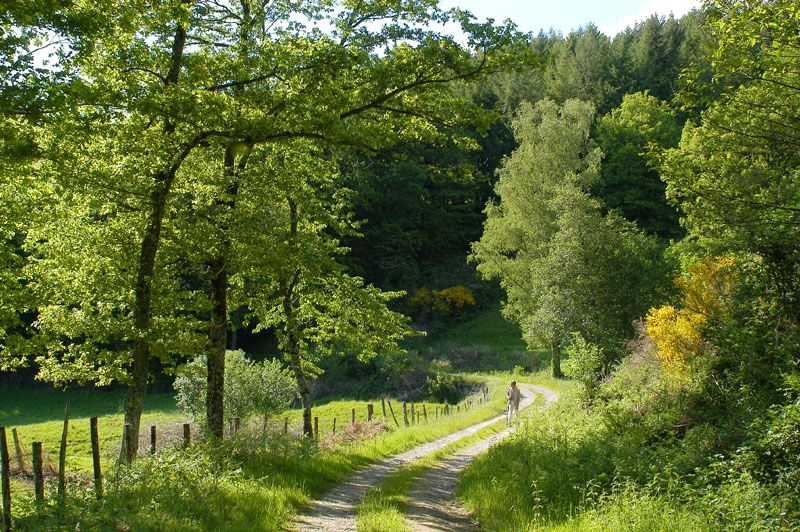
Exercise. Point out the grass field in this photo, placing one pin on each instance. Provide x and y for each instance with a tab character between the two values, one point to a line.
486	342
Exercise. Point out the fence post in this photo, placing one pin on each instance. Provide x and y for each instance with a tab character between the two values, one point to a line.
369	412
392	411
286	425
62	457
413	414
38	476
98	476
5	473
237	422
383	405
353	416
424	412
18	449
152	439
334	426
187	435
405	414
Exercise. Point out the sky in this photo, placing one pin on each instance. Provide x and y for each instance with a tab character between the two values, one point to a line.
610	16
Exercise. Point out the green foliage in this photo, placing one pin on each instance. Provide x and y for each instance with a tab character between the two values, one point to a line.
251	388
449	388
627	182
585	365
564	267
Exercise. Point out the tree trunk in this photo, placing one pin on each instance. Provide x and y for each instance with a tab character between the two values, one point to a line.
217	336
143	311
142	314
555	349
287	287
218	328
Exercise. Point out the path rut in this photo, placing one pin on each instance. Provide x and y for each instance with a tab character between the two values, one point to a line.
336	512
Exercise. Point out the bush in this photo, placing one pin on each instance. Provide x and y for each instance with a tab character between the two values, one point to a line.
585	365
440	304
448	388
251	388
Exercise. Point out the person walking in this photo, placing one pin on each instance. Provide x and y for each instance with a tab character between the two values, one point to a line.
514	396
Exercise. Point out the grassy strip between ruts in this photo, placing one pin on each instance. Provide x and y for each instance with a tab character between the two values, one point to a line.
383	507
241	484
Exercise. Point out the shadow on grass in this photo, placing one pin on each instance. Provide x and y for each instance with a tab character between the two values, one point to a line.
21	406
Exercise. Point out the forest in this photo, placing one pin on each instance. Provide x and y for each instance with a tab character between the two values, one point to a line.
254	210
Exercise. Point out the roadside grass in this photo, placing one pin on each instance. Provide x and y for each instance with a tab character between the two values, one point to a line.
559	473
203	488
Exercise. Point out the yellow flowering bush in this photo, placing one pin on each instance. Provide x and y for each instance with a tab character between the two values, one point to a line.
677	332
442	302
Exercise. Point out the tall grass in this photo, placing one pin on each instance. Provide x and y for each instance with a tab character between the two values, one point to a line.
574	468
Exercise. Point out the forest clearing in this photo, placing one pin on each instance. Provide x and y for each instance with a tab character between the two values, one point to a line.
295	264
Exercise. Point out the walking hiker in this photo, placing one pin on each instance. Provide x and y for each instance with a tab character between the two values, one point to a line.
514	396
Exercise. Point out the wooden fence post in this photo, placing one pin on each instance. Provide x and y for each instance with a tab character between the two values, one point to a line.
435	412
425	412
237	423
187	435
5	473
369	412
152	439
392	411
18	449
353	416
286	425
334	426
98	476
413	414
383	405
316	427
405	414
38	475
62	457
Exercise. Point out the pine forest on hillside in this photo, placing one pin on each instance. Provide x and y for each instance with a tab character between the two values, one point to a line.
278	212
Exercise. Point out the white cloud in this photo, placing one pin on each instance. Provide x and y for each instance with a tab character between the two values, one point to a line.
662	7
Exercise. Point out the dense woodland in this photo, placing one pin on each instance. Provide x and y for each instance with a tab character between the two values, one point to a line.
320	185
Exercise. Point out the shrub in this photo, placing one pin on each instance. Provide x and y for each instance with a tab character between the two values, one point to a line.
585	365
441	303
448	388
251	388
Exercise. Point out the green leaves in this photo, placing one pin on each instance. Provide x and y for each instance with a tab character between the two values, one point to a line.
564	267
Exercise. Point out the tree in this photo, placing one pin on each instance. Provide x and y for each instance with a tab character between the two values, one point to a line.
564	267
287	268
582	69
627	181
736	174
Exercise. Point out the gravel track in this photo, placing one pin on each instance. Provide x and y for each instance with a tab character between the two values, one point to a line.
432	503
336	512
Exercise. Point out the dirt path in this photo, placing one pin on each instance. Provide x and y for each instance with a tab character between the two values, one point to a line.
432	504
336	512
